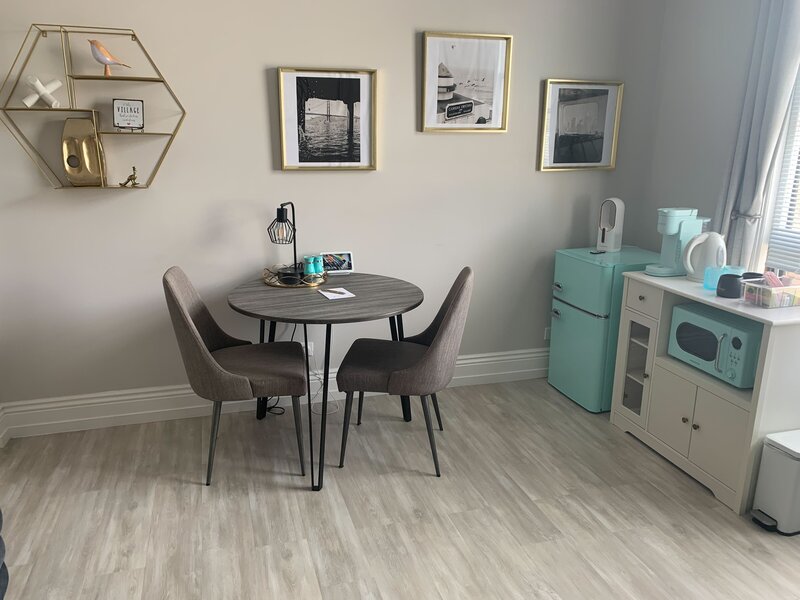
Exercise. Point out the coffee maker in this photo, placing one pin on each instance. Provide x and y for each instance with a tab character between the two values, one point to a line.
678	226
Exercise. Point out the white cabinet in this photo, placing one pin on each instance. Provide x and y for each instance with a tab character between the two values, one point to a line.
636	351
700	423
697	424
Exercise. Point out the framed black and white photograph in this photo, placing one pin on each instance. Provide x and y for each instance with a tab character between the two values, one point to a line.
580	124
327	118
465	82
128	114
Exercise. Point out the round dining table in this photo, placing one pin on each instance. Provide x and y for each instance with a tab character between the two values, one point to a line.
375	297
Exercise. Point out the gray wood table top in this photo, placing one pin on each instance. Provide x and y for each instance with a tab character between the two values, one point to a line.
376	297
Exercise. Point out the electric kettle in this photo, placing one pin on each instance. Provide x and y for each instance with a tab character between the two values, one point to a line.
704	250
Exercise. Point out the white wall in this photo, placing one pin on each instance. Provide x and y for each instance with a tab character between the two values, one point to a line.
82	303
699	88
81	308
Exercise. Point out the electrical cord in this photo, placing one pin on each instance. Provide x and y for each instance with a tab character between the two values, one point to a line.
274	409
316	375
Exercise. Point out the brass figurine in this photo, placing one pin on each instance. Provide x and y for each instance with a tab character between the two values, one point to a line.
131	179
104	57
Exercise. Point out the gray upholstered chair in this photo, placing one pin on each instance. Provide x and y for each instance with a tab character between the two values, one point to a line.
222	368
420	365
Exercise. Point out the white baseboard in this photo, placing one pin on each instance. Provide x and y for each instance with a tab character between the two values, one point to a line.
496	367
108	409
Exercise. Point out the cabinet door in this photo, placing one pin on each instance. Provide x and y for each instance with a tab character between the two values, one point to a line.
636	350
718	437
671	409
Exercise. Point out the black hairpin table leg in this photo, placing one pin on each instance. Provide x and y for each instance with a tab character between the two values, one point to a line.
310	414
396	327
323	416
261	403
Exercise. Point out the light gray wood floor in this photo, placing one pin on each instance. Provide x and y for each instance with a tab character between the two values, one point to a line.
538	499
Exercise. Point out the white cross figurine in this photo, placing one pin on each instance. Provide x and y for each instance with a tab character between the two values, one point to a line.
41	92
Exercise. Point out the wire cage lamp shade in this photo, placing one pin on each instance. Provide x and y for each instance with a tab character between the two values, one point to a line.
281	230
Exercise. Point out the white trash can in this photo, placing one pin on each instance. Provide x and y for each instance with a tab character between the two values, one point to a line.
777	502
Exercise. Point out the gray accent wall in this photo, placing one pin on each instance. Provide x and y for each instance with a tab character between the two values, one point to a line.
81	306
698	82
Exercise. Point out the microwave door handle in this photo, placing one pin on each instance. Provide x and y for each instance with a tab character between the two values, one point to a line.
720	340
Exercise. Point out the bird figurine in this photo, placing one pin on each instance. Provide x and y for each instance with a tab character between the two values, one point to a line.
104	57
131	179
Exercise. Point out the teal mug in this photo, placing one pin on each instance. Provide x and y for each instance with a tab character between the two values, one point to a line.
309	267
712	275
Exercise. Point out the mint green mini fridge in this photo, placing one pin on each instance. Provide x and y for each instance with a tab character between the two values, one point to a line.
587	299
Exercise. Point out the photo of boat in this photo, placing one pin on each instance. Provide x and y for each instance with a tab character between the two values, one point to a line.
447	84
459	101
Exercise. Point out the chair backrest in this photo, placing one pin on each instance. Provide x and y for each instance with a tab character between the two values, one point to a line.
443	338
198	336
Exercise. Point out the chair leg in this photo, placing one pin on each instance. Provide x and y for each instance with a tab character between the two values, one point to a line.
298	430
212	442
348	407
436	410
360	406
427	414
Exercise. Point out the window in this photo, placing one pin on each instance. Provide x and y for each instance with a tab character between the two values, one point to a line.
784	239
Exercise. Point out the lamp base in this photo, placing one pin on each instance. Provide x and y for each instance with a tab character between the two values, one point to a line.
290	275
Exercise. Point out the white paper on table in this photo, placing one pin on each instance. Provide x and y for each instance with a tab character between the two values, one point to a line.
331	294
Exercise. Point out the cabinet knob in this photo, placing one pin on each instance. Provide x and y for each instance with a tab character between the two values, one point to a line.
642	298
556	313
645	375
695	426
558	287
684	420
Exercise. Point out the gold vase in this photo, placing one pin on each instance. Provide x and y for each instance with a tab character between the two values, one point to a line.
82	153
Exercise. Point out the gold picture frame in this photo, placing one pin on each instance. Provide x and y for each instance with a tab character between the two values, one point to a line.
298	151
465	102
591	104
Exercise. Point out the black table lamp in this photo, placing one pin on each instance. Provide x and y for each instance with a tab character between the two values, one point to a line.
283	231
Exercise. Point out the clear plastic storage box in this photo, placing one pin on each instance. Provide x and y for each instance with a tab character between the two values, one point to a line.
756	291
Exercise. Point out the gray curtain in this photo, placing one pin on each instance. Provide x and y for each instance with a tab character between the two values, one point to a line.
756	160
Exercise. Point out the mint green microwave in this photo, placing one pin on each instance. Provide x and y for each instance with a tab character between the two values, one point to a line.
720	343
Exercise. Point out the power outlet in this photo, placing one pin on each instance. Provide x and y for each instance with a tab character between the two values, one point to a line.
546	333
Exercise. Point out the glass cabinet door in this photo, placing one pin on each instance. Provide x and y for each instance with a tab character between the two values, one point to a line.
637	343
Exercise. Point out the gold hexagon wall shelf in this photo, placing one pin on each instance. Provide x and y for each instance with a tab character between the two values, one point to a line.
62	54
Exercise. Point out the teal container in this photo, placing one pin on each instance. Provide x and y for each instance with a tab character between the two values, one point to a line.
587	300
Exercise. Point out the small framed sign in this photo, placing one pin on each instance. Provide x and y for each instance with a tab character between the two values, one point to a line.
128	114
338	262
458	109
